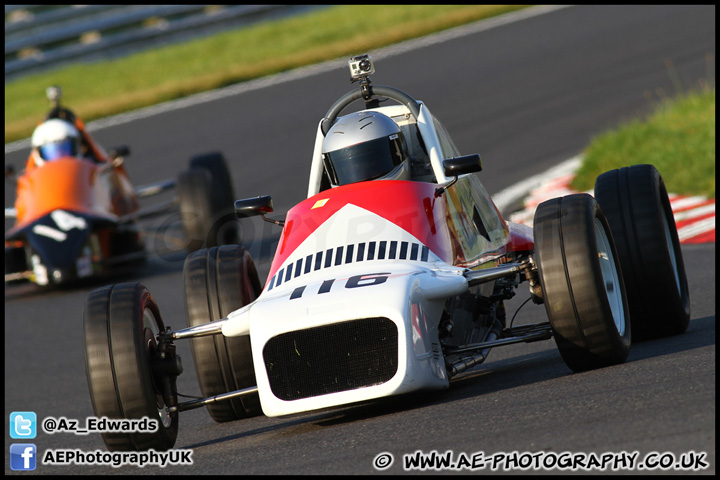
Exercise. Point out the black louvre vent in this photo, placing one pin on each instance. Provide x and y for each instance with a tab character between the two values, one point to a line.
385	250
332	358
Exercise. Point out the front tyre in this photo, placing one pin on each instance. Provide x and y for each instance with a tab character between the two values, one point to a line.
121	325
219	281
582	283
638	210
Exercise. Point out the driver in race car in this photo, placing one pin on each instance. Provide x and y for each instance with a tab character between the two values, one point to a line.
54	139
365	145
62	134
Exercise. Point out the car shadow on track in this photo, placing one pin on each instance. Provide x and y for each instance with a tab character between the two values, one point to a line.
700	333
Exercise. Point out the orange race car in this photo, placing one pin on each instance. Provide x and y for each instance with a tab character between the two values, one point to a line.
76	212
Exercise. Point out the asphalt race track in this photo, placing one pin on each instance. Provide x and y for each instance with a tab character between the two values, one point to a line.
526	95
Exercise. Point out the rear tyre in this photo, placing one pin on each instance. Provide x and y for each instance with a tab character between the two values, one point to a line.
582	283
637	207
196	209
223	197
218	281
121	324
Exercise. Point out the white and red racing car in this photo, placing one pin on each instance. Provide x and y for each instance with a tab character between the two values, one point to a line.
389	278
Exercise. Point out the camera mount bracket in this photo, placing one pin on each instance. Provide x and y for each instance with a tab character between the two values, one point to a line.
361	67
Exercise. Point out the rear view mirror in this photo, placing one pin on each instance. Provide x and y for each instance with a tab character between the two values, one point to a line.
122	151
454	167
251	207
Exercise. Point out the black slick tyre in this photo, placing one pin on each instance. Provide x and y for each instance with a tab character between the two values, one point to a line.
121	323
222	198
218	281
197	210
582	282
637	207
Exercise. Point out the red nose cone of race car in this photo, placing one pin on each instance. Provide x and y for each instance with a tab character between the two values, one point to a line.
411	206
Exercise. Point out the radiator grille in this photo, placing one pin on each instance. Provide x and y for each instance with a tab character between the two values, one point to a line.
332	358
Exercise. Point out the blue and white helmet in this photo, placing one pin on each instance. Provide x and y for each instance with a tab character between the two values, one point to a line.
361	146
54	139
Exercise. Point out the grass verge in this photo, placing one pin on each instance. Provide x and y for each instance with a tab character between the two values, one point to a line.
678	138
110	87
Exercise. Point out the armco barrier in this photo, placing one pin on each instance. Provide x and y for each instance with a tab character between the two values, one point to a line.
39	37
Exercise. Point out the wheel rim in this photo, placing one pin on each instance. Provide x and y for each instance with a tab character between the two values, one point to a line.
611	280
151	330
